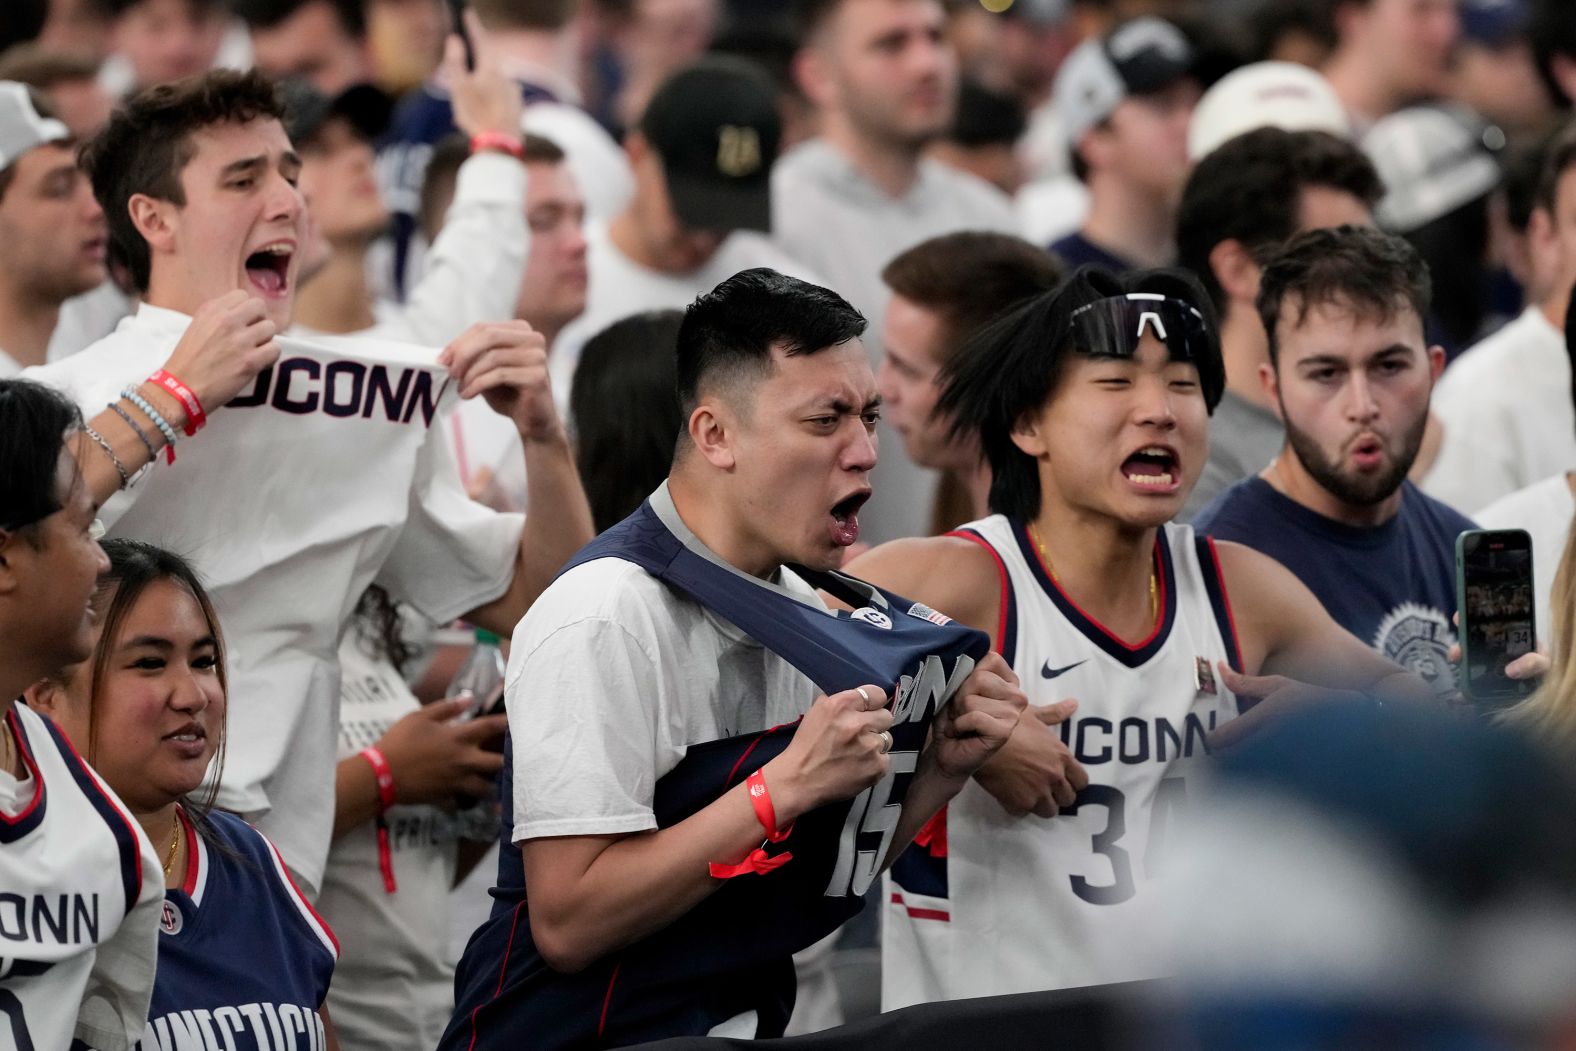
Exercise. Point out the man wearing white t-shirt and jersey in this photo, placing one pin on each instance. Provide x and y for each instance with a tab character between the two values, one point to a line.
702	159
82	882
52	228
1505	406
884	81
334	479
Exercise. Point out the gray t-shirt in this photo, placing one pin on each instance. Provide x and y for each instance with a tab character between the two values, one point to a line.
1243	439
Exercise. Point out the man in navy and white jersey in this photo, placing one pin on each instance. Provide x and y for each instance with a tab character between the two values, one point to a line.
1352	373
1091	403
82	886
650	657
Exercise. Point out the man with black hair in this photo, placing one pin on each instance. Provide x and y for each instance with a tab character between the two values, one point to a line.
81	981
52	228
983	138
199	182
1125	99
1351	373
644	661
1253	193
323	42
1139	643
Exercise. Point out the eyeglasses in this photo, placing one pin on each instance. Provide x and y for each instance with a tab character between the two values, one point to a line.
1113	327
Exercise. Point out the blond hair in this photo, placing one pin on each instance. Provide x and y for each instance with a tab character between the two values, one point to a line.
1551	711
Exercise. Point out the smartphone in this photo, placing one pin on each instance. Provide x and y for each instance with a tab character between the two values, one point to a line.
1494	599
457	27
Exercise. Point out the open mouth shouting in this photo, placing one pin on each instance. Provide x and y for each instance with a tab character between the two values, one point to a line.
845	518
268	268
1154	469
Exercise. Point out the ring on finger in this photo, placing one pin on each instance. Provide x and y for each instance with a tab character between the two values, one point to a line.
863	696
886	741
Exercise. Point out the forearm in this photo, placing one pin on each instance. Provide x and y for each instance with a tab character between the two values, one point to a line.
643	882
355	794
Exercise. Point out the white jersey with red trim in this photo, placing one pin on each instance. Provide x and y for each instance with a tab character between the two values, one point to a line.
80	889
986	903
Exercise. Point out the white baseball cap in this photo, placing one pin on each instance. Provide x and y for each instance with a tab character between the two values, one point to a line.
1265	95
22	127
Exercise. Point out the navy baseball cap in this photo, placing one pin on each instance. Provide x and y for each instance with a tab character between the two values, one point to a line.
1141	57
716	127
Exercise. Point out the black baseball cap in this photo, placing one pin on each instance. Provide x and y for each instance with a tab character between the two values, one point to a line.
716	127
307	109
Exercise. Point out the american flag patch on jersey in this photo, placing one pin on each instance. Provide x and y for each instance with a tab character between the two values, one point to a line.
924	612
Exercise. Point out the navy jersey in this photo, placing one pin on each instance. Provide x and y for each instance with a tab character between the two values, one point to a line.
1392	585
244	961
732	953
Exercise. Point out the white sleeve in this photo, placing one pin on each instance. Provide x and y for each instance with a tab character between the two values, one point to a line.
453	554
1479	457
586	716
119	989
474	268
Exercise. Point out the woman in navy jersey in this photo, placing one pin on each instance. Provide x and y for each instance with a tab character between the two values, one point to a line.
244	962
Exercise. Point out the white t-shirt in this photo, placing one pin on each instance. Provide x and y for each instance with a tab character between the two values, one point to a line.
1544	509
88	318
394	984
612	676
618	287
289	513
1507	414
828	214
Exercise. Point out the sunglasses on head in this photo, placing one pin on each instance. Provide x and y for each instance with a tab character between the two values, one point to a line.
1114	326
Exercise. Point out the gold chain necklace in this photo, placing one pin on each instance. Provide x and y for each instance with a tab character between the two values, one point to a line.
1154	581
175	842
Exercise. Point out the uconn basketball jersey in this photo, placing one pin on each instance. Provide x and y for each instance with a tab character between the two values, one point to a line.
244	961
730	956
991	903
79	902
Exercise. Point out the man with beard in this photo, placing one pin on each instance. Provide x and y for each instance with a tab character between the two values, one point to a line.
1352	374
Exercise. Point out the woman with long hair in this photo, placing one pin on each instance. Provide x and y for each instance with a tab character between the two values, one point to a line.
242	957
1550	713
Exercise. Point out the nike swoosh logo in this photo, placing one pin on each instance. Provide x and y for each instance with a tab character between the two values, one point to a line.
1049	672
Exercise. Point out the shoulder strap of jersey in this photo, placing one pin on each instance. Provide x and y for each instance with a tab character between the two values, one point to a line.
808	637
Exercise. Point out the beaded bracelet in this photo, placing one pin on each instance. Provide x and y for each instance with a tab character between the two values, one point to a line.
153	453
147	409
120	468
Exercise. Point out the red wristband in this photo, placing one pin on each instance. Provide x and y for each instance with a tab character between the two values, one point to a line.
384	774
385	778
757	861
497	140
765	813
195	417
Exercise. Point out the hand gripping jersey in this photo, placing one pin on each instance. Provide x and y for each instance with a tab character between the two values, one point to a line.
730	954
79	904
998	904
244	962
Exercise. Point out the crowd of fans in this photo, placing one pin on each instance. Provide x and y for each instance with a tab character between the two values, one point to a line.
1170	345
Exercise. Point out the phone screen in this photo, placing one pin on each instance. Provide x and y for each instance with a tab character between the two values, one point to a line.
1496	610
